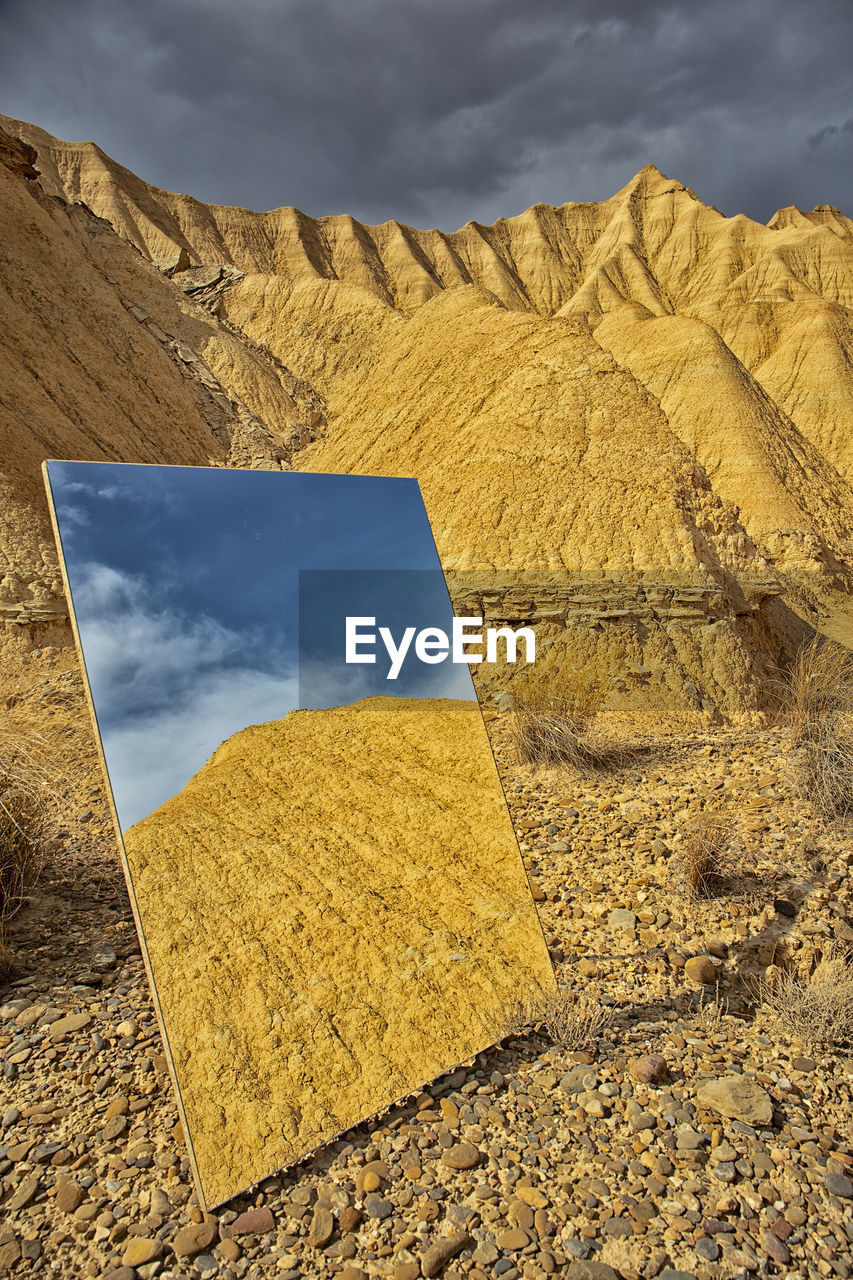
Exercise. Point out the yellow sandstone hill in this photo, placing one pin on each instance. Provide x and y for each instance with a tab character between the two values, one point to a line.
335	912
99	360
630	419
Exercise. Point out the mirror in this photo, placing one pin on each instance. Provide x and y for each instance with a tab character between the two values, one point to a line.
328	890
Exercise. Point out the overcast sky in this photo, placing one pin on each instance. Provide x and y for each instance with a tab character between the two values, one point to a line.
185	584
437	111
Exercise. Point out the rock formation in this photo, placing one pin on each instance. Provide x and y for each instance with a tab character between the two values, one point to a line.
623	401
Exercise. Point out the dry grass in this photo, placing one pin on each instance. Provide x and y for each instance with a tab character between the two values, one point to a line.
573	1020
820	712
713	860
8	969
710	1013
26	798
703	863
818	1011
551	716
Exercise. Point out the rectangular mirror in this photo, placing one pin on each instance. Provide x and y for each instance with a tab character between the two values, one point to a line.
328	890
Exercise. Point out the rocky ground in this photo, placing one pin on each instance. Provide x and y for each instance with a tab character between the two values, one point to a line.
695	1137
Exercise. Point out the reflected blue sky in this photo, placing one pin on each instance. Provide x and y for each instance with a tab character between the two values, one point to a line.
185	585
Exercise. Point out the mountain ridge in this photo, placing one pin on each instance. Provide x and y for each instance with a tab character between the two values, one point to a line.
636	389
468	255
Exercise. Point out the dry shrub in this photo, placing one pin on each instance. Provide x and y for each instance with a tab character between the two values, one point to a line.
712	860
820	712
574	1020
551	715
26	795
702	862
8	968
818	1011
710	1013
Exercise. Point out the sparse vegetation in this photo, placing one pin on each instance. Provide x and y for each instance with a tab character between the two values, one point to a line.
25	795
818	1010
572	1019
713	859
820	712
551	717
710	1013
703	860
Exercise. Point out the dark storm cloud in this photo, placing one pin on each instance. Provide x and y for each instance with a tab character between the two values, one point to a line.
830	131
434	111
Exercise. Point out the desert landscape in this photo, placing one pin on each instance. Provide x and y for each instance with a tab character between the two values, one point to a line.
631	424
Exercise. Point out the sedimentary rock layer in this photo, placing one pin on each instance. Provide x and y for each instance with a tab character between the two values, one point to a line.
635	389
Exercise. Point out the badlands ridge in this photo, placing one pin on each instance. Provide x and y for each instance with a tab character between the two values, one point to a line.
630	419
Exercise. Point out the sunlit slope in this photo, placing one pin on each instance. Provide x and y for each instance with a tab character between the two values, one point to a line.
336	911
102	359
803	358
778	297
654	241
791	499
533	448
616	393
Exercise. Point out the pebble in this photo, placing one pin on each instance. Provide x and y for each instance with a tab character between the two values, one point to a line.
652	1068
440	1253
378	1207
322	1227
104	959
349	1219
531	1196
701	969
65	1026
69	1197
738	1097
253	1222
512	1240
229	1250
27	1190
689	1139
194	1239
589	1270
775	1248
838	1184
461	1156
114	1128
160	1203
140	1251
